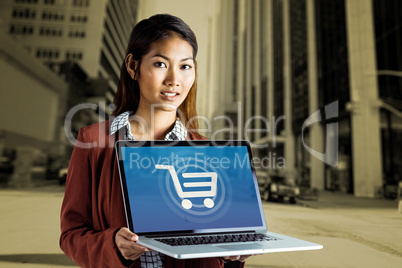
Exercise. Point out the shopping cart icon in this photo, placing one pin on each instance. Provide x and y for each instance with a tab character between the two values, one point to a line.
186	203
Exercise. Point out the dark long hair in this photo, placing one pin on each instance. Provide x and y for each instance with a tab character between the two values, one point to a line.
143	35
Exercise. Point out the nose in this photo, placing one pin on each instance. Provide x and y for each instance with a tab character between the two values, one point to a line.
172	78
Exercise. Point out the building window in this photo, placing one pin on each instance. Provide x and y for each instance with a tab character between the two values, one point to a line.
76	33
52	15
21	29
332	53
24	13
278	61
26	1
388	37
51	31
299	63
54	2
231	119
108	67
79	17
235	49
47	53
74	55
81	3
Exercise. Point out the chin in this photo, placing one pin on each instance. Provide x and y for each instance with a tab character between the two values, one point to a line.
167	107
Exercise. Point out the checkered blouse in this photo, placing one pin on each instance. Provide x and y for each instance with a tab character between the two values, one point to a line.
178	132
150	259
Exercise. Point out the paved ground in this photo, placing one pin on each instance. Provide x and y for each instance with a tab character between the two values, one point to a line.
29	228
355	232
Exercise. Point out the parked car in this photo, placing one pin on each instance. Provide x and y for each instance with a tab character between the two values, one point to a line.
278	188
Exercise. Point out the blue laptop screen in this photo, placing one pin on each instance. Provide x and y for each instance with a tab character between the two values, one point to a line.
190	188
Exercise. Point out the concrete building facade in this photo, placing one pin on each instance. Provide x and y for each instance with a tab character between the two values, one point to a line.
317	83
32	105
56	54
92	33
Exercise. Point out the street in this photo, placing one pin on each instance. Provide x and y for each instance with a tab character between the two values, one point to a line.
352	236
355	232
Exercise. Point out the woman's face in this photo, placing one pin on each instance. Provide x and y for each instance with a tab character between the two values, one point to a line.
167	73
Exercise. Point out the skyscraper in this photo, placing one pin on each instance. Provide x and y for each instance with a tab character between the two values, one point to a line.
81	40
92	33
317	52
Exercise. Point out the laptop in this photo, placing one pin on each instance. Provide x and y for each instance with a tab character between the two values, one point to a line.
196	199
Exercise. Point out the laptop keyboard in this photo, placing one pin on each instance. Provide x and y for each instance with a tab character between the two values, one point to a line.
214	239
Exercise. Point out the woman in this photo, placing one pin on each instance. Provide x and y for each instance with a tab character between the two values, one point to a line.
155	101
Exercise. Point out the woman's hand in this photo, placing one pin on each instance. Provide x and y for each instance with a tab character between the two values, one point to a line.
240	258
126	243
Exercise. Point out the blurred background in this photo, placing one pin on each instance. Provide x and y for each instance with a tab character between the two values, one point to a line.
266	65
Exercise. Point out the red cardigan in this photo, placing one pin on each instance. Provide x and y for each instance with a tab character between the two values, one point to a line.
93	210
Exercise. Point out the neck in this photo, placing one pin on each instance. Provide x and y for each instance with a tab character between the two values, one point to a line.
147	126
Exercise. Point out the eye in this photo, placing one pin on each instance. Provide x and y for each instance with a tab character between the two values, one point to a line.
160	64
186	67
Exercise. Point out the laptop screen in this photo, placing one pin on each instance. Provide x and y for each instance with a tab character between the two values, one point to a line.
195	188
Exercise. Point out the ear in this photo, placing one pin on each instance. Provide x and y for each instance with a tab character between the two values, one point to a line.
131	66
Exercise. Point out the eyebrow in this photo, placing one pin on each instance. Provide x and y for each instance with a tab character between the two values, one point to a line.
167	58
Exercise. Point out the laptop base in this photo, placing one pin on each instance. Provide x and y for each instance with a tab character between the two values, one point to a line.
282	244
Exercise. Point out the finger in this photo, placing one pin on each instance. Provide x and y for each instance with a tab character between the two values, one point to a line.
240	258
127	240
244	257
133	245
232	258
126	244
131	250
127	234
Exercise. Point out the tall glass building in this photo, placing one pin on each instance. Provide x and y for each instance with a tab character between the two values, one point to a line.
388	41
297	57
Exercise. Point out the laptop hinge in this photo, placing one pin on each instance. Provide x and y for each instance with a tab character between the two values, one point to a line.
193	234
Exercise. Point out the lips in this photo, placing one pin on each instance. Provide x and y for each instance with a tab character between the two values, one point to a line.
169	95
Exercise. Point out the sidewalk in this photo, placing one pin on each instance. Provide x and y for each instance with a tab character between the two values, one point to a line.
30	227
334	200
355	232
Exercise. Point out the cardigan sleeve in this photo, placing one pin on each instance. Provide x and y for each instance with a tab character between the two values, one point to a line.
79	240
